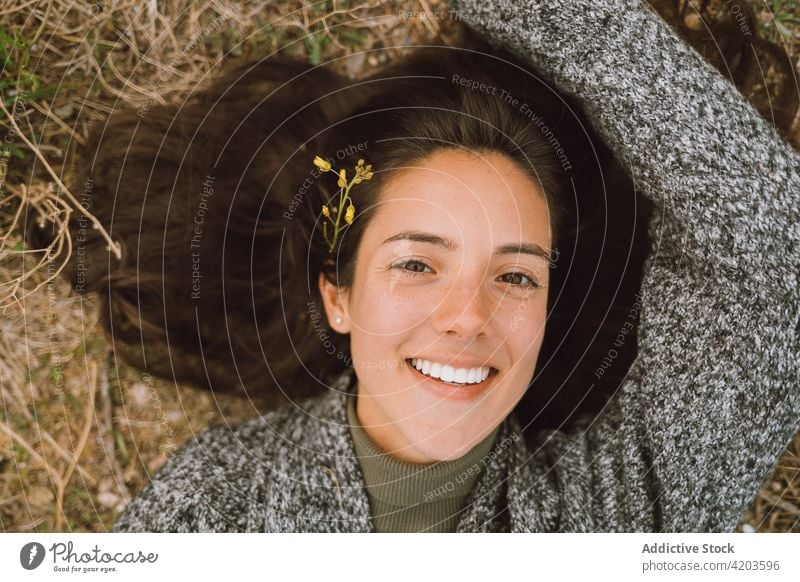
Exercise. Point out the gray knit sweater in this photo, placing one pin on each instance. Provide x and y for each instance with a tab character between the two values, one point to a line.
712	398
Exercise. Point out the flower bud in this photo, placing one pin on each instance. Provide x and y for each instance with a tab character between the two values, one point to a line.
323	165
348	217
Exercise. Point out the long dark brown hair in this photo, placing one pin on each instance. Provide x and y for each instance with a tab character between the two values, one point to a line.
216	205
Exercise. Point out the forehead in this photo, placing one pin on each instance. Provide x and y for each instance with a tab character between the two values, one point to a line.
464	195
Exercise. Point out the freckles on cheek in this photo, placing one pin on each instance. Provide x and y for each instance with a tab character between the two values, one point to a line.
397	314
526	321
394	310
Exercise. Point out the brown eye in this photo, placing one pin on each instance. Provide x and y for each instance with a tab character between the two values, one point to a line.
419	266
518	280
412	267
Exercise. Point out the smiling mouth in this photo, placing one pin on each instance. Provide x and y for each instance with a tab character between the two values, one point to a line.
438	373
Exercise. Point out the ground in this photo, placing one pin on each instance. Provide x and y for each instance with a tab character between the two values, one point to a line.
80	431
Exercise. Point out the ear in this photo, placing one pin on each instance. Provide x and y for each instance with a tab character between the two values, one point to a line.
335	301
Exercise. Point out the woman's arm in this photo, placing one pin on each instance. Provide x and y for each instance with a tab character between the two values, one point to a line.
712	398
691	142
199	489
169	503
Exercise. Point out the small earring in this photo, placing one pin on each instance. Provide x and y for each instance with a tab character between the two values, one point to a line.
338	320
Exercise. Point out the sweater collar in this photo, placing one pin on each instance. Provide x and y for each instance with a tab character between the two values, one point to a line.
342	486
400	483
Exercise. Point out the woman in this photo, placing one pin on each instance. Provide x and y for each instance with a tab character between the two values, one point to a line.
448	262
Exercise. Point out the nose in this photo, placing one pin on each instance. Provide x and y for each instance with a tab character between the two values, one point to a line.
465	310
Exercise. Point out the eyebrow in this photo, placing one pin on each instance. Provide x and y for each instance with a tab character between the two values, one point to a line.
450	245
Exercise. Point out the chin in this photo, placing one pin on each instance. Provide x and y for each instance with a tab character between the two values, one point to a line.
443	444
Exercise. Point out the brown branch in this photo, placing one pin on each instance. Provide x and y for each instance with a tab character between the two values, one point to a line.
87	428
106	428
31	451
112	246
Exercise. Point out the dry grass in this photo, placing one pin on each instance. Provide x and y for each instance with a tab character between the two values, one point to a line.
80	432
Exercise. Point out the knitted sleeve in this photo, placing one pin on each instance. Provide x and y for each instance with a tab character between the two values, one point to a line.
203	487
712	398
165	505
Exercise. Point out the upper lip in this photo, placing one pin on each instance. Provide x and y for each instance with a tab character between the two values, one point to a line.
455	362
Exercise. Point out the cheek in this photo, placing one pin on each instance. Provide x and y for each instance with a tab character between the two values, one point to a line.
387	310
382	322
526	326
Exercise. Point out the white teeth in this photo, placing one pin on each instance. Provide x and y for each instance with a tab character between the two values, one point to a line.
450	374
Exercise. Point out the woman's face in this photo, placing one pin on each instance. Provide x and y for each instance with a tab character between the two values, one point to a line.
446	273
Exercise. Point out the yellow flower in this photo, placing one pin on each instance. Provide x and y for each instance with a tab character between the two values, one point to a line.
361	173
323	165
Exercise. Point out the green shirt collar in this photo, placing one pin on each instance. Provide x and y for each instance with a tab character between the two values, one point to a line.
400	483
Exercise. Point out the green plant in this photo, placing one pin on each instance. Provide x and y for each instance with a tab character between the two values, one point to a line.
783	21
